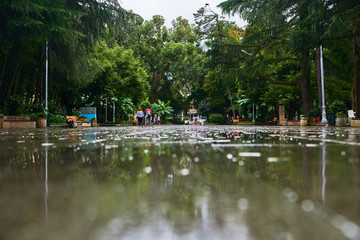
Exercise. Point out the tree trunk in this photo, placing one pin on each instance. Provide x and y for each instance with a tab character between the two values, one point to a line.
305	86
356	77
292	111
16	71
318	76
39	84
98	108
3	69
231	102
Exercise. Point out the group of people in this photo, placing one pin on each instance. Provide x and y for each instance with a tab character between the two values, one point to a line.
149	118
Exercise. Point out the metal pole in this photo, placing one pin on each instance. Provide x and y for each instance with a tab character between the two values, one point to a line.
323	164
323	112
46	176
253	117
46	76
113	111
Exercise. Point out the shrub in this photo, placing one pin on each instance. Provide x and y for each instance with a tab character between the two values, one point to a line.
315	112
177	120
340	114
57	119
337	106
217	119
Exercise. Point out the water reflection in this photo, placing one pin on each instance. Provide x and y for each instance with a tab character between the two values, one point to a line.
180	182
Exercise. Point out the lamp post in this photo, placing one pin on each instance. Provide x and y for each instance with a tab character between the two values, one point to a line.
46	76
253	113
113	110
106	117
323	112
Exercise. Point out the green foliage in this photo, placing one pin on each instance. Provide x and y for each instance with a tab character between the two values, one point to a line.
315	112
98	50
172	58
41	115
163	109
126	107
340	114
177	120
337	106
36	115
57	119
217	119
120	74
145	104
14	106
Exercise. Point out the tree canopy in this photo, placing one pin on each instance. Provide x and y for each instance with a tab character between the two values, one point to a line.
101	52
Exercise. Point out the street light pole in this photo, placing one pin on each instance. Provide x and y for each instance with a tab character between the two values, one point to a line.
113	111
106	119
323	112
253	113
46	76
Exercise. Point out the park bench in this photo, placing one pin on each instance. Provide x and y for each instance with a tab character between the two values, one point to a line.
273	121
72	121
7	122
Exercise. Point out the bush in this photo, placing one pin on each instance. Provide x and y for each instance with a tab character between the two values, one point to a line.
315	112
126	122
14	106
217	119
337	106
177	120
57	119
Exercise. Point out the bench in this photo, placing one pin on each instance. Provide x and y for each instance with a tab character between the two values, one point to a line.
273	121
23	122
72	121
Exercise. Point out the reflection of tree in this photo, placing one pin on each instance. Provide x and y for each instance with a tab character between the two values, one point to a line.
306	159
356	165
321	181
181	210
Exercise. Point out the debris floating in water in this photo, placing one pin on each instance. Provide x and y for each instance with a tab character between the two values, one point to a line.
243	204
148	170
184	171
250	154
307	205
47	144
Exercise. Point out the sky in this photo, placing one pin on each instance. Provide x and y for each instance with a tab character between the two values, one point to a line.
171	9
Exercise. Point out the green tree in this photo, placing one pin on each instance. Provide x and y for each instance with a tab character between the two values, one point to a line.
119	74
172	58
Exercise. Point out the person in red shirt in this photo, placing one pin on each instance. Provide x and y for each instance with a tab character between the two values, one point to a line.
148	114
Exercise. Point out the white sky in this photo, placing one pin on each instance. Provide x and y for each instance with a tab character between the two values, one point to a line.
171	9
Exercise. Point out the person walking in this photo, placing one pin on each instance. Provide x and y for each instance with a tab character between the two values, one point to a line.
148	114
140	116
155	119
158	120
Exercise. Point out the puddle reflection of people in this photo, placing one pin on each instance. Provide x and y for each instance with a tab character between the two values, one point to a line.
140	116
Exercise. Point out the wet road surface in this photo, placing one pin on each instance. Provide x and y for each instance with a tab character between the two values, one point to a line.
180	182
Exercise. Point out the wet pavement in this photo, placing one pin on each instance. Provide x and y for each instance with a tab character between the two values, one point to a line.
180	182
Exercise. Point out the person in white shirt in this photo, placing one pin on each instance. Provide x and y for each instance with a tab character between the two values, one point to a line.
140	116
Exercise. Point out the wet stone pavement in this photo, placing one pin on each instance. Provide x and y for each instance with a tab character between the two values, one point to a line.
180	182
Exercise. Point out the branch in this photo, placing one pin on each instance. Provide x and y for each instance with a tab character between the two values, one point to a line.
297	81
